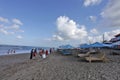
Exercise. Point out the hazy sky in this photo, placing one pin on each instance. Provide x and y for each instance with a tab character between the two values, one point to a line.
57	22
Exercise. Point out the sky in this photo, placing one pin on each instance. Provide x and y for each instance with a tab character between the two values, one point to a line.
50	23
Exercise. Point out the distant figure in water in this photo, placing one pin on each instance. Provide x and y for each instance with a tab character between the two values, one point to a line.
14	51
31	54
9	51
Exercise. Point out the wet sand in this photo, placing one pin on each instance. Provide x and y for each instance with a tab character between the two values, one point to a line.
57	67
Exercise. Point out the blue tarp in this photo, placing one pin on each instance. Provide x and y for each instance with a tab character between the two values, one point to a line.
66	51
84	46
97	44
66	47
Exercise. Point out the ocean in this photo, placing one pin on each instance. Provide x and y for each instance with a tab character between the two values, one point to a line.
9	49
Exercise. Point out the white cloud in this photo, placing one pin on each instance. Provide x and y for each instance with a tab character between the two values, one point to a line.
8	27
5	20
11	32
93	18
111	14
15	27
68	32
21	31
68	29
94	31
92	39
3	31
17	21
19	37
57	37
107	36
1	25
91	2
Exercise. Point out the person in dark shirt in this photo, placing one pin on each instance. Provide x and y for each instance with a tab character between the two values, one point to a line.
50	50
35	52
31	54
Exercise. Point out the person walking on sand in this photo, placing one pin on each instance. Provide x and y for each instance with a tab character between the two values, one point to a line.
31	54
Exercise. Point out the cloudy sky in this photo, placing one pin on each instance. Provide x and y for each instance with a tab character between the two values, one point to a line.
57	22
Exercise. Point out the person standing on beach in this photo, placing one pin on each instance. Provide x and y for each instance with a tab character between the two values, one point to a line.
35	52
40	52
31	54
50	50
43	54
46	52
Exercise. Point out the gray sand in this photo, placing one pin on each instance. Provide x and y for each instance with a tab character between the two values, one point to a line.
57	67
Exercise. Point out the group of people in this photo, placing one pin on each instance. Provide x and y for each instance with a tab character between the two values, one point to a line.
11	51
42	52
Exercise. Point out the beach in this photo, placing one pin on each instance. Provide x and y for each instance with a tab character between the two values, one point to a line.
57	67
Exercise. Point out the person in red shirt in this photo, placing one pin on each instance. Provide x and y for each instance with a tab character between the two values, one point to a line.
46	52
